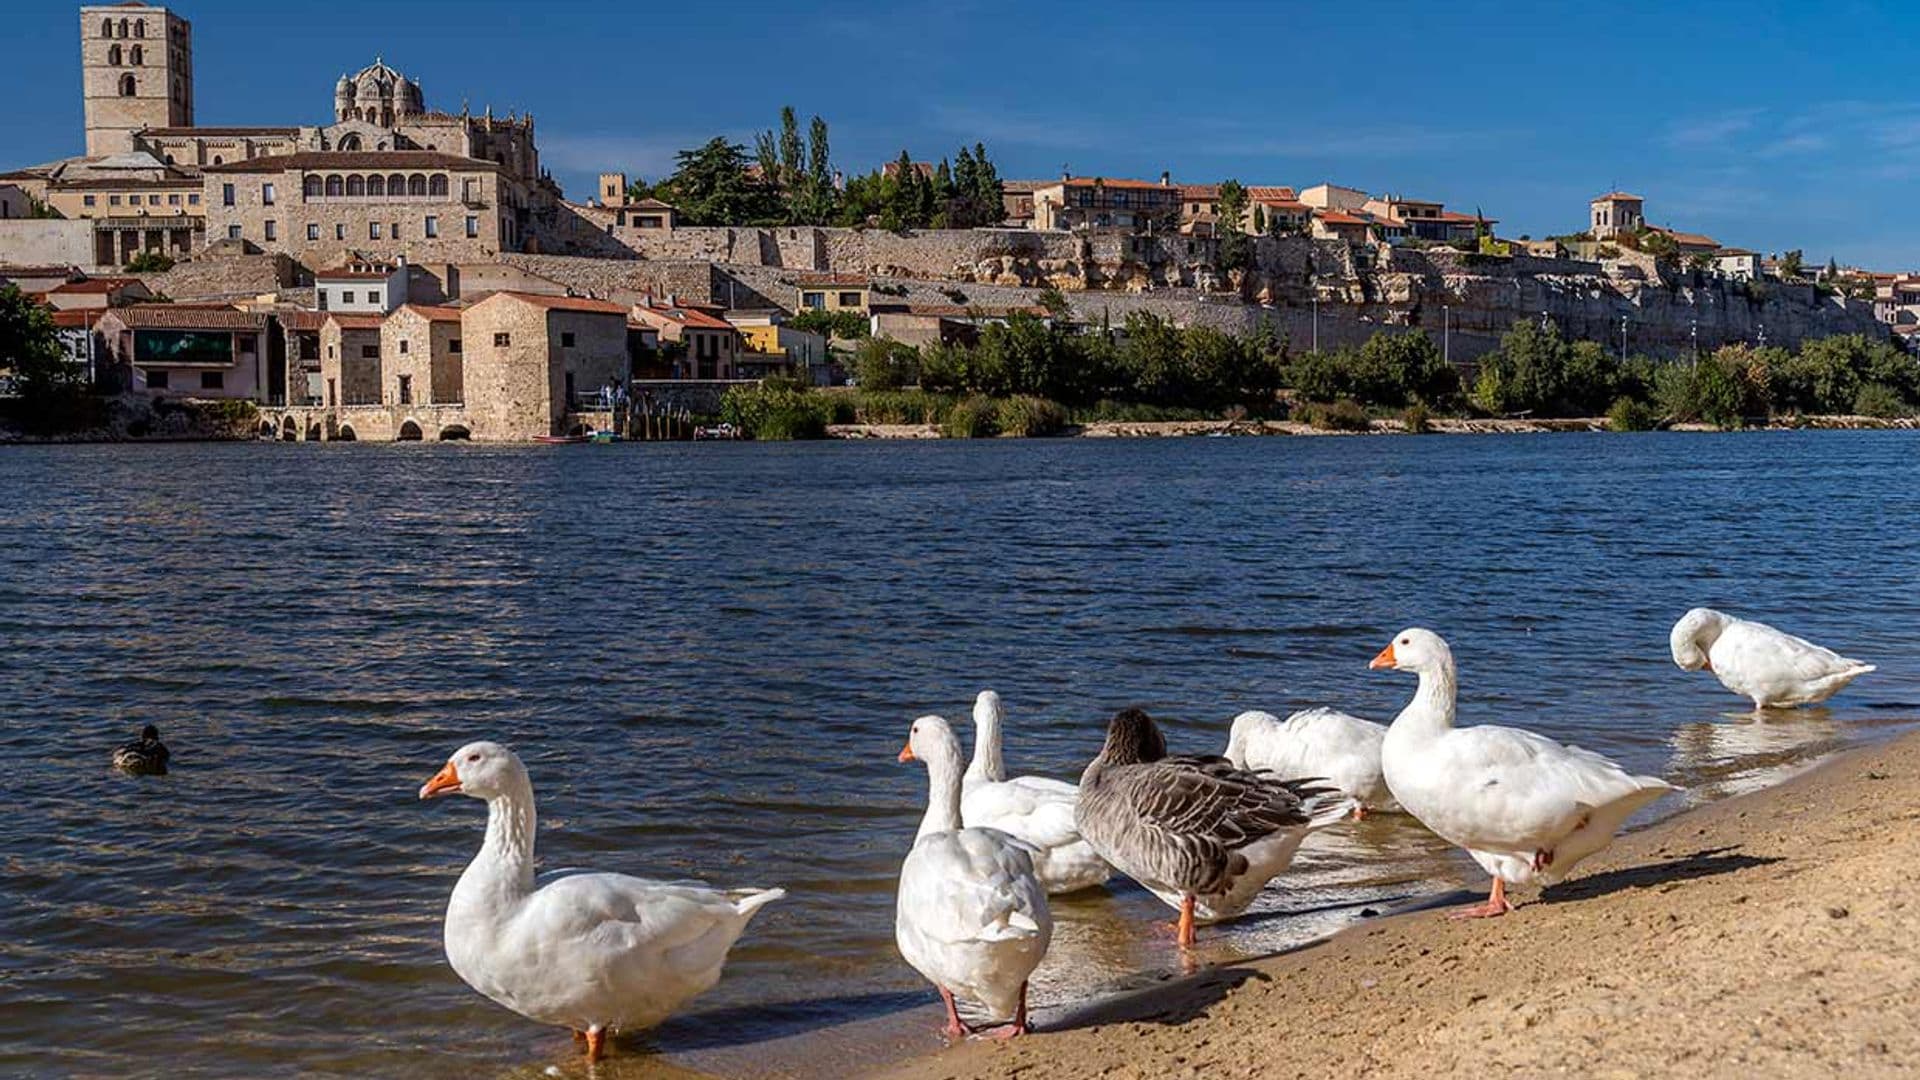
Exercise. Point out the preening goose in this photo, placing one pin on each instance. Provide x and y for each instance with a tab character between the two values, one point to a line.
1338	747
1527	808
145	756
972	915
1773	668
593	951
1200	833
1035	809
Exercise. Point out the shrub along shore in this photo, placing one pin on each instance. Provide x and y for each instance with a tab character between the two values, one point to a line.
1029	378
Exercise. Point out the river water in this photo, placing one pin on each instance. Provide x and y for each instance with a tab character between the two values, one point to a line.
709	656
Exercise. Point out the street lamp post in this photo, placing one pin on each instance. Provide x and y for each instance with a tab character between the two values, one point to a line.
1623	339
1316	318
1446	333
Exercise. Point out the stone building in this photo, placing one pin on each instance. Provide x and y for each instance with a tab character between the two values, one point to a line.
528	359
350	359
421	347
1093	202
136	72
1616	213
146	159
326	206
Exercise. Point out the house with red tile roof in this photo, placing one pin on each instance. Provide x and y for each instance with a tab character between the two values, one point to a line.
1098	202
187	350
710	345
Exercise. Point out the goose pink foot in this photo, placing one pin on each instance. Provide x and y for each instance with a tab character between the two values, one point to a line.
1496	905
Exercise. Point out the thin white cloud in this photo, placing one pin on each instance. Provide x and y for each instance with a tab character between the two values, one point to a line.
1700	132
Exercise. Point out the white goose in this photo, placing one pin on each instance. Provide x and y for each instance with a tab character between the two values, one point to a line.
595	952
1527	808
1034	809
972	915
1775	669
1327	744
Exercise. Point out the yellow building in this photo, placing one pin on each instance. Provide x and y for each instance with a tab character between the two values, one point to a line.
833	292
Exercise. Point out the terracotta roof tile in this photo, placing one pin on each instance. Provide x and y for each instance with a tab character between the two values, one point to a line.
348	320
857	280
1109	182
567	303
186	317
685	316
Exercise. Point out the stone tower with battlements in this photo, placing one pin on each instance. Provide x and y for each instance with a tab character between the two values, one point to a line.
136	71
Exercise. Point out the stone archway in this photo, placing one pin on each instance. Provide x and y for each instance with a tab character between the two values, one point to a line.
455	433
409	432
289	430
314	432
267	429
345	434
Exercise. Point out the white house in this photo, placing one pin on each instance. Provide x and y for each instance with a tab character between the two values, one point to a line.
361	288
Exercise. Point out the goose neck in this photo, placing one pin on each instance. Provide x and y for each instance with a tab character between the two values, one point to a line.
943	797
1433	702
986	765
504	867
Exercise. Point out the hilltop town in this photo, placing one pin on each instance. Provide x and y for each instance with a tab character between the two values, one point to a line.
403	272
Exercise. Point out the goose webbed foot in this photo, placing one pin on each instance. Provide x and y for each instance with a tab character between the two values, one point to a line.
954	1029
596	1039
1495	906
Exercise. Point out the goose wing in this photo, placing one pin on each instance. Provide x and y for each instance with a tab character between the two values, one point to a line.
1514	790
973	885
1187	817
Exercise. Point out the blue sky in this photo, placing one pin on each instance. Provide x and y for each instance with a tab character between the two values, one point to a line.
1765	126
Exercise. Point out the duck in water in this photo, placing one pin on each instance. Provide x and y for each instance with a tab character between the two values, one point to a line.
145	756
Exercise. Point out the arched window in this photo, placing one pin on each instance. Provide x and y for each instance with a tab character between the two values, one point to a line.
417	185
113	55
396	184
350	142
334	187
356	185
139	28
218	160
127	86
106	27
139	57
123	28
376	184
437	186
310	186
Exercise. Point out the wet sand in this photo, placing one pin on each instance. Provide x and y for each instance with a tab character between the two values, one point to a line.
1771	934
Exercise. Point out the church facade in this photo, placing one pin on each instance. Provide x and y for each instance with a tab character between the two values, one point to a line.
386	176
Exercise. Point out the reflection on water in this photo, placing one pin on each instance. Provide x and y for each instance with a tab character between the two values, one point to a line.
1747	751
708	658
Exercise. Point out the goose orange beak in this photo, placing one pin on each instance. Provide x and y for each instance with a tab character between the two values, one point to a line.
1385	659
444	782
906	754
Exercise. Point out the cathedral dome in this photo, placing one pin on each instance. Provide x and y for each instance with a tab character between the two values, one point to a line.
379	94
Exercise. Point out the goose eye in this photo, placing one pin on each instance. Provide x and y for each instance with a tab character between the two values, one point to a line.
473	757
1406	641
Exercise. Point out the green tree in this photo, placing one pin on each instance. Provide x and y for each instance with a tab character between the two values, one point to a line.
1235	250
30	347
988	205
820	193
1792	265
885	364
711	186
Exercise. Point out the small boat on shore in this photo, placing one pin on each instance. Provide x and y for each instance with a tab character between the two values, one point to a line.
560	440
721	432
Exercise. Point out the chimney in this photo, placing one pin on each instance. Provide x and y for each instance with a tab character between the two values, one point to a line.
1166	178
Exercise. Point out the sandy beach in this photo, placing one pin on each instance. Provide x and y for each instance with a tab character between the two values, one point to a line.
1772	934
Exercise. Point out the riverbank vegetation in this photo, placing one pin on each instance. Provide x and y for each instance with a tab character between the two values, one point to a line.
1149	369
